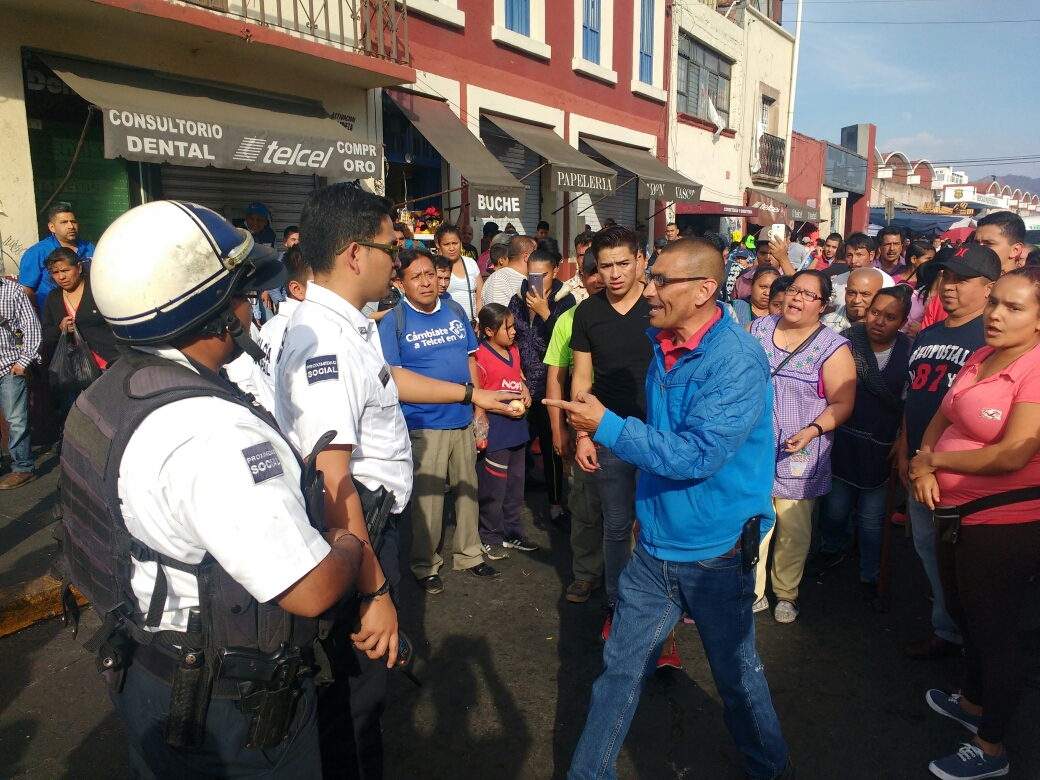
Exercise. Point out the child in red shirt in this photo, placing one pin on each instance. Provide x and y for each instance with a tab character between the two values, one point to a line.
500	474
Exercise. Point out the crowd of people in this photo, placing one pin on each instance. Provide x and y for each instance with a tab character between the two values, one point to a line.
708	398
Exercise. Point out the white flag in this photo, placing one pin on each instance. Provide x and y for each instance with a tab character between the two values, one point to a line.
715	119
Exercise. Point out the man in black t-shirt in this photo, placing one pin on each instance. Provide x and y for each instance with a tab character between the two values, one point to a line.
938	354
609	342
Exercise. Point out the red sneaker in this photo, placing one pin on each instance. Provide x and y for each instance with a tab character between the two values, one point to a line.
605	633
671	660
898	518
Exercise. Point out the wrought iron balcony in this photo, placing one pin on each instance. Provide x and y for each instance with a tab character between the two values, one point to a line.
771	151
376	28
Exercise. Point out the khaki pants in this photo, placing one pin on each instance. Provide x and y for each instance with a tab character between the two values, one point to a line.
586	525
793	531
439	456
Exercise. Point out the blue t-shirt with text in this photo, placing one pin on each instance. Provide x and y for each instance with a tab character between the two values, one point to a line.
436	345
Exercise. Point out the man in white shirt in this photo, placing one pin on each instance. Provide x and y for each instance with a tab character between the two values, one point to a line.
331	376
862	286
859	253
504	283
220	532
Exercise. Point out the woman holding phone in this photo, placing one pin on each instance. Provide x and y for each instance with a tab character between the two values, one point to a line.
535	311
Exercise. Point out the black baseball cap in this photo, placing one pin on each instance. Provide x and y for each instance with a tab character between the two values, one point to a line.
970	260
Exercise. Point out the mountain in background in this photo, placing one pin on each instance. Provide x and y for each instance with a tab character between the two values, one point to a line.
1024	183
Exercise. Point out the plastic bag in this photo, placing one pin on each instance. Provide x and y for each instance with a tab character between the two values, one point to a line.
480	432
73	368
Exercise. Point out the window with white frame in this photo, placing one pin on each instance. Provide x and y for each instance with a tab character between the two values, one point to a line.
646	41
704	75
590	30
520	24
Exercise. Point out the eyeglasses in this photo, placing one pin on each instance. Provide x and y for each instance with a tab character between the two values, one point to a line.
659	280
808	295
390	249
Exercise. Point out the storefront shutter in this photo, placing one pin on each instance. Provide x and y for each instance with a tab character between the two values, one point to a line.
229	192
519	161
621	207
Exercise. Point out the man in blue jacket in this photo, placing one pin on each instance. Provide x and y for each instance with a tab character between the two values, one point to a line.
32	274
705	454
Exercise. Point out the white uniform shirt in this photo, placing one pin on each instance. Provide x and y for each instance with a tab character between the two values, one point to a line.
240	370
205	475
331	375
270	340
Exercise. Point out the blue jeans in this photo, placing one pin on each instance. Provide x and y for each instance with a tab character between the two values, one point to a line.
653	594
870	505
616	483
14	403
923	528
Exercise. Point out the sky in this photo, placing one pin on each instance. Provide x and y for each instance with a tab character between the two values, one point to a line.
945	92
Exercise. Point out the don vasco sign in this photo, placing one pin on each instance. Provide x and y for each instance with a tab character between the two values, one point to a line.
184	141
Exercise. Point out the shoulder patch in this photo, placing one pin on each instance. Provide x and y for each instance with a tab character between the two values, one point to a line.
322	368
262	461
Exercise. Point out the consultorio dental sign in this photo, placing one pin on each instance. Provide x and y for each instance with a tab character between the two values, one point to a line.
157	138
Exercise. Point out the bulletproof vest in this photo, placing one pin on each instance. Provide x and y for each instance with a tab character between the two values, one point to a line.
98	553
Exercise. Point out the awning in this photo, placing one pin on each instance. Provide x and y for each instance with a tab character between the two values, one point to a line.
710	207
656	180
494	191
570	170
154	118
928	224
774	207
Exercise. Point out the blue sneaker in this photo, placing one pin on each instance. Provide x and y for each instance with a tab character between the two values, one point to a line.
950	706
970	763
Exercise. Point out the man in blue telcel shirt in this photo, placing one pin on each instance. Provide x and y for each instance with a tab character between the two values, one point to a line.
705	455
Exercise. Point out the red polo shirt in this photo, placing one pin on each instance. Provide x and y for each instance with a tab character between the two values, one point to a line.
672	351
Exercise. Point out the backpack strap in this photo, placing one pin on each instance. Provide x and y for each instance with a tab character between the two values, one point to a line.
398	312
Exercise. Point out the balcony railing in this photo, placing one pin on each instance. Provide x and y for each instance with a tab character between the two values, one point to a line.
377	28
771	151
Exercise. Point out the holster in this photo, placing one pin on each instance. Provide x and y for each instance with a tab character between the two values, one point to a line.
269	684
377	506
189	702
750	541
947	521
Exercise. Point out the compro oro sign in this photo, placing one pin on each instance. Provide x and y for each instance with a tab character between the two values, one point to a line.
159	138
157	118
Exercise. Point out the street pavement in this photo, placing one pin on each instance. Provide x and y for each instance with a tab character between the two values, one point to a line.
507	668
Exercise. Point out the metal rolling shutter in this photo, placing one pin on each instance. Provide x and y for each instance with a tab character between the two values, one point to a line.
519	161
229	192
621	207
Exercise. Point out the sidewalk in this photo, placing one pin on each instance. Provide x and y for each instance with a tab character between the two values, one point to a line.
27	591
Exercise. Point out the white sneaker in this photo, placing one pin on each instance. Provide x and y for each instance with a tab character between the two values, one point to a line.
761	605
785	612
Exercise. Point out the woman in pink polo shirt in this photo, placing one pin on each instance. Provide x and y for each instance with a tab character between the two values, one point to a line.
984	442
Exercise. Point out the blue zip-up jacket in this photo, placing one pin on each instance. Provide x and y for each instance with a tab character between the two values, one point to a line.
705	452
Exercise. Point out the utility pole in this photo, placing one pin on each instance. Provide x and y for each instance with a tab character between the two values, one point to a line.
794	90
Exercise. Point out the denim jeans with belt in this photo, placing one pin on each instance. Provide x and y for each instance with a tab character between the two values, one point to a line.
14	403
870	505
652	595
616	482
923	528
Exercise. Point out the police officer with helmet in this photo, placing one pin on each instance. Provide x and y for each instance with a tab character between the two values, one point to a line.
331	375
190	523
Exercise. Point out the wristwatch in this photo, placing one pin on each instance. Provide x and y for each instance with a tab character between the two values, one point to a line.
469	394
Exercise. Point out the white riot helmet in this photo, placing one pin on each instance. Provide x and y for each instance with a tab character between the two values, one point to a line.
165	268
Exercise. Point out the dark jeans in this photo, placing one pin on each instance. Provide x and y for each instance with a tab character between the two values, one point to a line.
653	594
14	403
143	704
616	483
500	491
540	427
985	577
350	708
